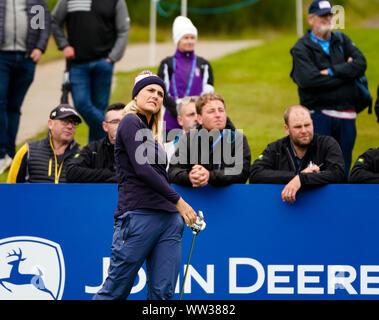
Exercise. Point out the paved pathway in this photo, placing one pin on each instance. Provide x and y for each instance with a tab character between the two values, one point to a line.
44	94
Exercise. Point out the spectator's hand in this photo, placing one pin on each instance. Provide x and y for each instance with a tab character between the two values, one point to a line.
350	59
69	52
324	72
204	176
199	176
108	60
188	214
290	190
311	169
36	55
194	177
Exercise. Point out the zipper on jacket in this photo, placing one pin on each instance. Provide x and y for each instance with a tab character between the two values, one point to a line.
291	160
14	25
187	73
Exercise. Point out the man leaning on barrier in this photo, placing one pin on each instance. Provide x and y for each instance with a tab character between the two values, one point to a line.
300	160
215	153
45	160
95	163
326	65
366	168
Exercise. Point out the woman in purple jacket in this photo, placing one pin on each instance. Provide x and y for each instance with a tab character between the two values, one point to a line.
185	73
149	216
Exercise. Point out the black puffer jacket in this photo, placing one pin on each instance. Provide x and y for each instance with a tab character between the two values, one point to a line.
277	164
316	91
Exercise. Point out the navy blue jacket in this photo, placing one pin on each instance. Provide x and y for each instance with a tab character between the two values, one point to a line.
316	91
141	169
36	38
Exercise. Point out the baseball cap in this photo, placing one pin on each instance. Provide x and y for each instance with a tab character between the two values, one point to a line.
320	7
64	111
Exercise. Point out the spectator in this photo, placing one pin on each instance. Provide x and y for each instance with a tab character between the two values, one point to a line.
187	119
215	154
184	74
45	160
300	160
97	35
325	66
150	213
21	47
366	168
95	162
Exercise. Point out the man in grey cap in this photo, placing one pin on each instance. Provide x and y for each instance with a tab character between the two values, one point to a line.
45	160
325	66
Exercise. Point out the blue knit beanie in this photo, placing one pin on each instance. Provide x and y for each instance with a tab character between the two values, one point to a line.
145	78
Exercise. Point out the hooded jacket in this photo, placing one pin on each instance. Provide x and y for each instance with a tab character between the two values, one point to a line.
226	155
318	92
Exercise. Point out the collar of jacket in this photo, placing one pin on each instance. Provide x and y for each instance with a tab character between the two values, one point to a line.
144	120
179	55
309	42
73	144
287	143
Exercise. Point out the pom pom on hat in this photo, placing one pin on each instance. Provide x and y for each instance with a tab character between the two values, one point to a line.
182	26
144	79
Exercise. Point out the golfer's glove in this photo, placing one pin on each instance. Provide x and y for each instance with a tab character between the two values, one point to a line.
199	224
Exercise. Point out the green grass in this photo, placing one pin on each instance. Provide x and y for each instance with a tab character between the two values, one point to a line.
257	89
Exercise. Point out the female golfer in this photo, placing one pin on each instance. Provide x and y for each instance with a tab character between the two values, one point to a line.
149	216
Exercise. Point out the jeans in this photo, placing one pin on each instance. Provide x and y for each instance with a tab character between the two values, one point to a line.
343	130
141	235
91	88
16	76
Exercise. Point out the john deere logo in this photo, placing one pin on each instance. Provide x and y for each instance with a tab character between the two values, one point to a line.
31	269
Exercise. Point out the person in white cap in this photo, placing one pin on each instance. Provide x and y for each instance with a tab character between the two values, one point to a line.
184	73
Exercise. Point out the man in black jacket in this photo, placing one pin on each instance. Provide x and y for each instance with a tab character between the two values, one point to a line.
95	162
300	160
325	66
366	168
215	153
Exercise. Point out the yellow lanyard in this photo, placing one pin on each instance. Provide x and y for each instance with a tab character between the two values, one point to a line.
57	171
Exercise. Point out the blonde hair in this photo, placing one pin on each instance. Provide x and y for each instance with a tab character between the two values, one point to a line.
132	108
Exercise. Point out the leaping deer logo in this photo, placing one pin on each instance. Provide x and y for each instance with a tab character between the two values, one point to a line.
18	278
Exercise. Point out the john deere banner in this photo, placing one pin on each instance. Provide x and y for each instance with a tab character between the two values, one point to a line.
55	243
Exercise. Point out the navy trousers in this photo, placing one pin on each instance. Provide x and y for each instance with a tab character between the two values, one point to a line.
343	130
144	235
91	88
16	76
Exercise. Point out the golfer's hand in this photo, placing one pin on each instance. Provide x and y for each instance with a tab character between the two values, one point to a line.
186	211
69	52
290	190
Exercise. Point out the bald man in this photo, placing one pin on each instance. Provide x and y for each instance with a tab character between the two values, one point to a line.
301	159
